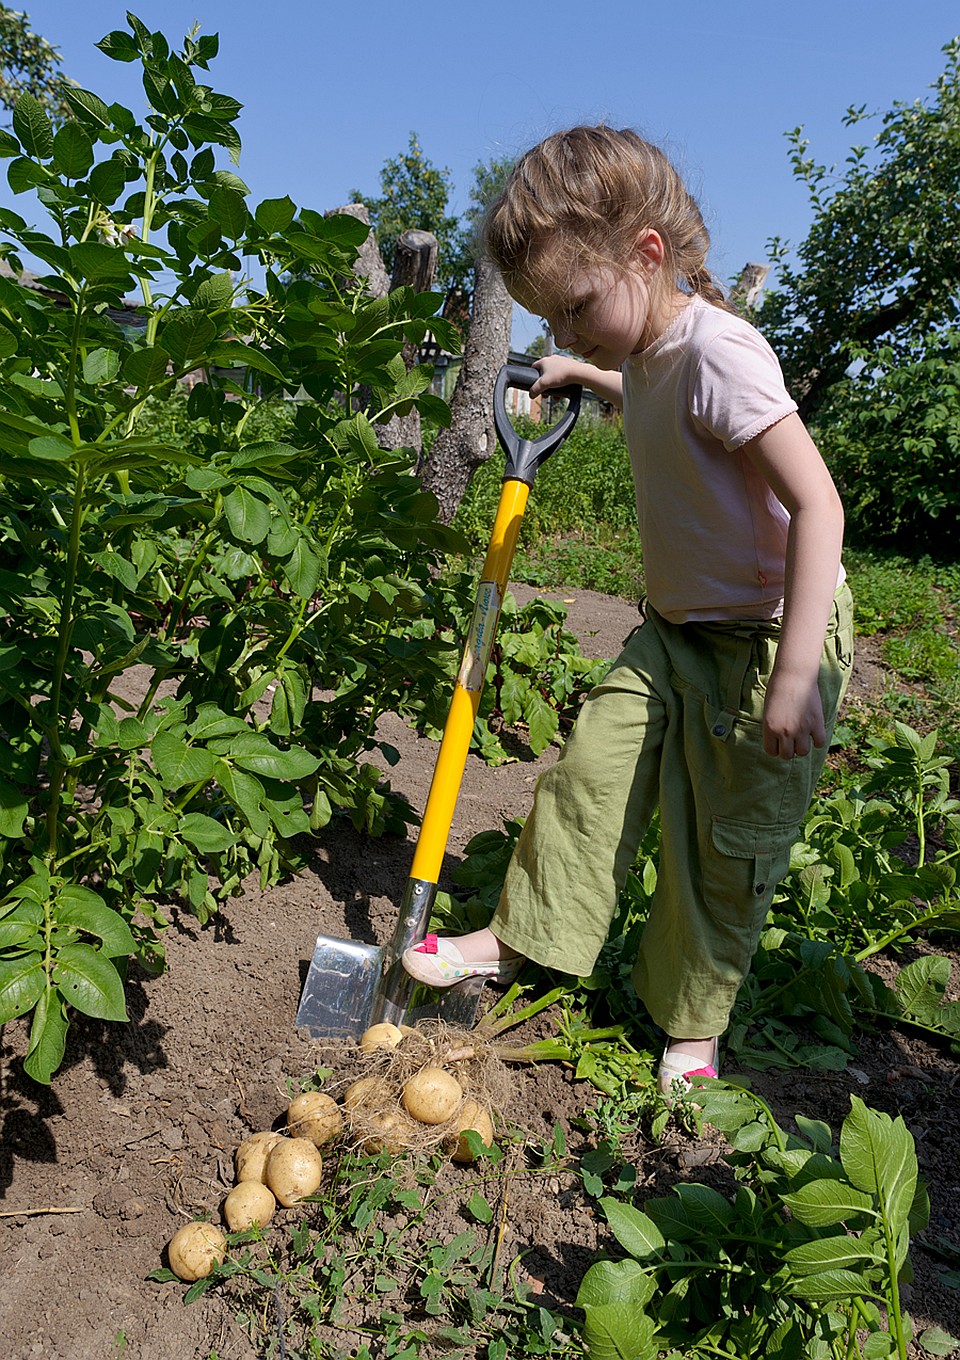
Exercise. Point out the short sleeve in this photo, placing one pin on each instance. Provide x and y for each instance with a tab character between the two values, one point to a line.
738	388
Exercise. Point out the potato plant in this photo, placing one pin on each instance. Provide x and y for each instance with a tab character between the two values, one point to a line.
197	637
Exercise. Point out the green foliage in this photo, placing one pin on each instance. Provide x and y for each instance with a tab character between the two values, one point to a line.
588	481
827	1230
536	680
28	64
892	439
202	618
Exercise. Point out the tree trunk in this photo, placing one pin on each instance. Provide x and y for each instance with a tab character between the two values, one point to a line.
471	438
414	266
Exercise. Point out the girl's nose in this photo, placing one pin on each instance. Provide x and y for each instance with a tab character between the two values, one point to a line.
563	338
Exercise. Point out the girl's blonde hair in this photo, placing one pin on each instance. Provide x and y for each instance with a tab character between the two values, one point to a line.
583	198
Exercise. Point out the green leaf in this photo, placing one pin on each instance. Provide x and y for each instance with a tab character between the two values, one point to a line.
271	763
879	1156
215	292
48	1037
205	834
100	366
89	108
90	982
247	515
52	447
542	721
233	354
479	1208
830	1253
938	1342
634	1230
177	763
83	909
119	46
98	262
14	807
72	151
107	181
22	982
246	794
145	367
625	1282
275	214
187	335
831	1284
822	1203
33	127
614	1331
302	569
229	211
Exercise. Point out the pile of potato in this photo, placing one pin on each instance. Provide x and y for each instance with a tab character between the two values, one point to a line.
274	1168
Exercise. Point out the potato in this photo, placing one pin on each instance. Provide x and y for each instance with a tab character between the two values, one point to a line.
368	1091
315	1116
472	1116
380	1036
248	1203
195	1249
293	1170
432	1096
388	1131
251	1156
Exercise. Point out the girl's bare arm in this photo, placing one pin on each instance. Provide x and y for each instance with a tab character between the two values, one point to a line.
790	462
560	370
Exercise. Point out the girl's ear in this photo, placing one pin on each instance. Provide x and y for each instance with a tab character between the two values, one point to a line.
649	251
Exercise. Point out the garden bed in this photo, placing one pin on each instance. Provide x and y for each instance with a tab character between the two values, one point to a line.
138	1130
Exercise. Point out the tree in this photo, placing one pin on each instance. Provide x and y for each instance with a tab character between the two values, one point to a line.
29	63
880	267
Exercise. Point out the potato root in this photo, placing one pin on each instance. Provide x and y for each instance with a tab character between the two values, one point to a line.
432	1096
251	1155
380	1036
195	1249
315	1116
472	1116
248	1203
293	1171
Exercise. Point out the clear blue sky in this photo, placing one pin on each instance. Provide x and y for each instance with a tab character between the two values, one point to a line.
331	90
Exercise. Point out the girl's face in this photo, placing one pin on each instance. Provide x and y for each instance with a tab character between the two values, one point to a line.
607	314
605	318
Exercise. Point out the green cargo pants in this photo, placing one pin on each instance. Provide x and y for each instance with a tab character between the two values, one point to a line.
677	723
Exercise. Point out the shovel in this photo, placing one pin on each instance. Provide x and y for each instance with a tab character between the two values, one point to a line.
350	985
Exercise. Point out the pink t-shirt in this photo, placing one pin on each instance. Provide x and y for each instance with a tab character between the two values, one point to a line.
714	535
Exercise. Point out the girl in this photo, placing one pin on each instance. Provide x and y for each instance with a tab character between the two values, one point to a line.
720	708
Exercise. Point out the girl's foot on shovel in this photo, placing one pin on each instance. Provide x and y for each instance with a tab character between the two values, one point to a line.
443	962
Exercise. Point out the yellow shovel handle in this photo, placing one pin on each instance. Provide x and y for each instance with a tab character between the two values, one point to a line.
452	757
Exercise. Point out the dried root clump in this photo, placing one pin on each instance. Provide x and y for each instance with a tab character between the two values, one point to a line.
421	1092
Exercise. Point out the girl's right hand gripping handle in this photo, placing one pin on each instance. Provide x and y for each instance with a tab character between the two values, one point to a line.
524	456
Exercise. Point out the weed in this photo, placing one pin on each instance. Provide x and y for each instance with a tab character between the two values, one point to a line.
827	1231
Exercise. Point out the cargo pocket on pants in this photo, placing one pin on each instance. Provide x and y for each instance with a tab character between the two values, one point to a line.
747	862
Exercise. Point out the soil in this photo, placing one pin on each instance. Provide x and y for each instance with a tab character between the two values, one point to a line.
137	1132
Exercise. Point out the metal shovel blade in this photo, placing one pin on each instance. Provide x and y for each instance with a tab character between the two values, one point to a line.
351	986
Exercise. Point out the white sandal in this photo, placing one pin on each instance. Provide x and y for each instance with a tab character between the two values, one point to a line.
439	963
679	1071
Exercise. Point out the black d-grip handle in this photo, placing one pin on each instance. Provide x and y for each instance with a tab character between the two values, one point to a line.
524	456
